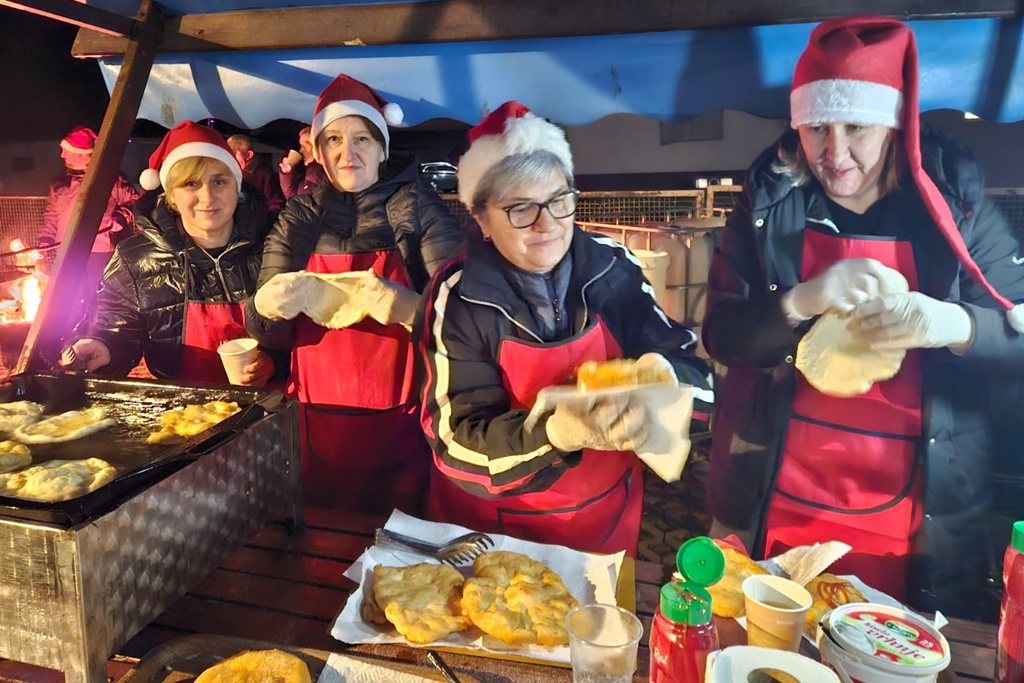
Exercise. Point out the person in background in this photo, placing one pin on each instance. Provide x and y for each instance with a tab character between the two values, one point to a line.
256	173
173	293
299	172
534	298
377	222
855	191
117	223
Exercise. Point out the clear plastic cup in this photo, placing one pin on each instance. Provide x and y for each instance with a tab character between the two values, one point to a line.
603	642
235	355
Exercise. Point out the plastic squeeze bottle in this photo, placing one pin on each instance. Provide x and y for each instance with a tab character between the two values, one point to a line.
1010	644
683	633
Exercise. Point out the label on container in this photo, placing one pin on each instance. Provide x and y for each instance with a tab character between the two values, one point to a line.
888	636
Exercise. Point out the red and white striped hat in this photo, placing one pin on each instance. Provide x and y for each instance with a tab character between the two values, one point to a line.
863	69
510	129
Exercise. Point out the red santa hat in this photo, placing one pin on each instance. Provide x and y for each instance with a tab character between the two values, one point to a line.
345	96
187	139
81	140
510	129
863	69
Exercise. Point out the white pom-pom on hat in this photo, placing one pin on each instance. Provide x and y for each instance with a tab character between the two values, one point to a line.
393	114
149	179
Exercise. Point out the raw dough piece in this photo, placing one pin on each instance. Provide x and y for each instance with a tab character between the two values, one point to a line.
68	426
57	480
834	358
13	456
18	413
265	666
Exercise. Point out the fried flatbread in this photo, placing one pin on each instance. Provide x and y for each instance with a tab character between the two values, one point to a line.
593	375
423	601
74	424
517	600
19	413
57	480
262	666
13	456
828	592
727	594
178	425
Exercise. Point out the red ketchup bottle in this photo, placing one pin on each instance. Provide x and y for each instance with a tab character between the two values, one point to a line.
683	633
1010	644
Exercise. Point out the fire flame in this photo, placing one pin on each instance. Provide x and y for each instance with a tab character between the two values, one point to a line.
31	295
27	290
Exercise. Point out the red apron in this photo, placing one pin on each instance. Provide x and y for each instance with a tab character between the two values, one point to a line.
594	506
362	445
207	326
849	469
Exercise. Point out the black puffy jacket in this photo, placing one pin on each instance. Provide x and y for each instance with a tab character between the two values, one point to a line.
140	306
398	212
744	328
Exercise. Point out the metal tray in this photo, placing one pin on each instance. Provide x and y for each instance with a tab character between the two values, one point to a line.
137	406
185	657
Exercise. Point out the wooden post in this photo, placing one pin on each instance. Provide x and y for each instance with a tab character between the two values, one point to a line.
44	337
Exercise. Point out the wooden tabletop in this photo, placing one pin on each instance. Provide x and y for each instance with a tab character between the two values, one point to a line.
287	590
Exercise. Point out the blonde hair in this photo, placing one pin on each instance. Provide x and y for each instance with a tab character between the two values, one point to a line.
793	163
188	169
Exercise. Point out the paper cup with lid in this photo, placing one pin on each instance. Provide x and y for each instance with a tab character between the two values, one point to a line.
870	643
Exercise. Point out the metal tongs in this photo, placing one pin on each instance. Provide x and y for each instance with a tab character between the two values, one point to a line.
461	550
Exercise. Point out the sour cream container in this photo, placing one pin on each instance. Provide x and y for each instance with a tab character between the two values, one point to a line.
870	643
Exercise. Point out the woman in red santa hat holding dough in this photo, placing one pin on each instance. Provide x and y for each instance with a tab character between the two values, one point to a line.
856	191
385	232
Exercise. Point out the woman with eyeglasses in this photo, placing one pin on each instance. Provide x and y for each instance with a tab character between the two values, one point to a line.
376	223
534	298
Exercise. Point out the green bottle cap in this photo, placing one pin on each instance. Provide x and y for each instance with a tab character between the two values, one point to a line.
1017	539
701	563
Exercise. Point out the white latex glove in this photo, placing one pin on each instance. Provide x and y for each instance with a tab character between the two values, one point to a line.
613	423
841	287
88	354
285	295
385	301
914	321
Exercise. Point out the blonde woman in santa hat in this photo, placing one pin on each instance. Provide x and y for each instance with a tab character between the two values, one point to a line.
534	298
385	232
117	223
175	291
856	191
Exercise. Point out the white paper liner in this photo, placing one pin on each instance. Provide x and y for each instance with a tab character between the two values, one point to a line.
669	405
589	578
342	669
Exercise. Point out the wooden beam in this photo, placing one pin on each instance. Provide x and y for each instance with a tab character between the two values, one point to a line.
78	14
42	345
466	20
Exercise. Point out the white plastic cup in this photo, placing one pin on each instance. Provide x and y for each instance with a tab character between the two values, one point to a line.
603	642
235	355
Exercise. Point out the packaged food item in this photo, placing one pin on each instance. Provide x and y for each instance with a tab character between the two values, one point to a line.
683	633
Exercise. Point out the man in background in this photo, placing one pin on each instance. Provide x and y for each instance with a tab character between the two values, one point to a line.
299	171
255	172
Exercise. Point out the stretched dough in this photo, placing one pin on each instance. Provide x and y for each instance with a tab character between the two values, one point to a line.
836	360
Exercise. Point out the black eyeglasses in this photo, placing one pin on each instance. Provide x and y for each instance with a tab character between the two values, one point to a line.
526	214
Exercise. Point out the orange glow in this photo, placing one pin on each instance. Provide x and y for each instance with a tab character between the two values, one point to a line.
31	295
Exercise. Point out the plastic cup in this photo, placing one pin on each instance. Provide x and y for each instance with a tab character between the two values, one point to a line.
235	355
776	610
294	158
603	641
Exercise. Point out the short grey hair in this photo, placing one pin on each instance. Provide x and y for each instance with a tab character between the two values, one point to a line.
516	170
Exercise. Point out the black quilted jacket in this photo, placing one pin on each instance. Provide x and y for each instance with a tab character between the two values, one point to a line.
139	309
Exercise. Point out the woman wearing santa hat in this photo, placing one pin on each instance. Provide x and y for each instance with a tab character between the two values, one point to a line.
351	348
535	298
856	191
174	292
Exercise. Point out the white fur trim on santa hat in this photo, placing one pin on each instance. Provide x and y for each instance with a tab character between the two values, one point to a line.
522	135
195	149
67	146
845	101
1015	316
337	110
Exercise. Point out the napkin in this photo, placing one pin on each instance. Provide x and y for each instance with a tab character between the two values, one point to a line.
669	405
341	669
589	578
